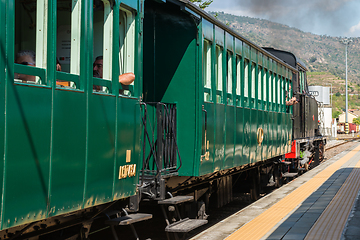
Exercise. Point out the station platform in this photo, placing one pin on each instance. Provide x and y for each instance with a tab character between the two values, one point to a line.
323	203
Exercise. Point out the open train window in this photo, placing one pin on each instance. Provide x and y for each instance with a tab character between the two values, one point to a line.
68	43
229	78
279	89
265	83
253	80
103	17
127	43
219	73
30	42
270	89
246	78
273	80
207	70
238	79
260	83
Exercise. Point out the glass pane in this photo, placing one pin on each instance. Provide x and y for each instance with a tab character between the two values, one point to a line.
253	80
270	86
246	78
229	72
207	69
25	38
260	83
274	88
219	68
265	85
238	75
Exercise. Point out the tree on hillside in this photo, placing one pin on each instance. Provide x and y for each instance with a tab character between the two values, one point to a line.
336	114
202	3
356	121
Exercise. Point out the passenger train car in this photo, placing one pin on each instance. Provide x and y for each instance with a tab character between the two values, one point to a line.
207	111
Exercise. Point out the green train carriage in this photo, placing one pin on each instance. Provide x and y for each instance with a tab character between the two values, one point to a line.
214	101
68	150
229	96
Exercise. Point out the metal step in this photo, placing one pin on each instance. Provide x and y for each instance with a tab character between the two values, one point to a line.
185	225
287	174
129	219
176	200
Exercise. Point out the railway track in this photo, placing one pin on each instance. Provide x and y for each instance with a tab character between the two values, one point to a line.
340	144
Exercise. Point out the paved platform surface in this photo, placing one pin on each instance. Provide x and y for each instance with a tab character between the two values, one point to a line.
321	204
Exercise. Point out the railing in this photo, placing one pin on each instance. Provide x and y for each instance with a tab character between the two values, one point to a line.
160	150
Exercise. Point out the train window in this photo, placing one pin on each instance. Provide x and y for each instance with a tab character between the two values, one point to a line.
265	85
229	77
269	80
207	70
68	35
246	78
279	88
238	75
68	41
30	41
127	43
274	87
238	79
102	45
219	73
253	80
260	83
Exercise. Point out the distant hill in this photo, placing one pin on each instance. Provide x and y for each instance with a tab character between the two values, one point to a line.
320	53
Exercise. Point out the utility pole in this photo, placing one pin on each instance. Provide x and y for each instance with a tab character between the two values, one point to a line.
346	41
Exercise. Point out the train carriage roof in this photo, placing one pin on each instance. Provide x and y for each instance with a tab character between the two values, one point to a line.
197	12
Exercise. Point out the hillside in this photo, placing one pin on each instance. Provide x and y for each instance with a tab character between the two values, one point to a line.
320	53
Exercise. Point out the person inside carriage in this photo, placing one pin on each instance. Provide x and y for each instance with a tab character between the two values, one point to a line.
25	57
125	79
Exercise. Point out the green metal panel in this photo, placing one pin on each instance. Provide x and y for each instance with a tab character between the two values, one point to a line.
219	136
254	55
260	59
100	169
253	136
246	51
3	76
207	166
130	3
68	152
278	133
128	139
229	42
230	137
208	30
219	36
273	129
259	148
239	137
266	153
27	154
238	46
247	136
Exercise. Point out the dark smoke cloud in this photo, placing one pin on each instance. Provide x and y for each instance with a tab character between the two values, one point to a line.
321	16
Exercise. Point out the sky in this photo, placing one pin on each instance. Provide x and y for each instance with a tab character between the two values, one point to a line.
337	18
